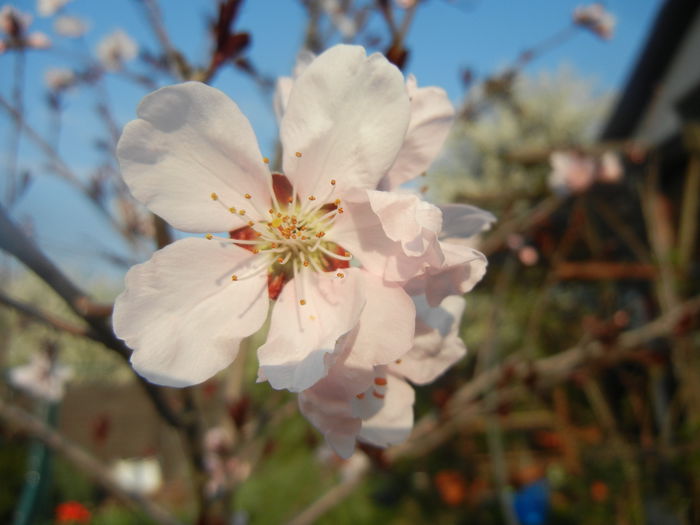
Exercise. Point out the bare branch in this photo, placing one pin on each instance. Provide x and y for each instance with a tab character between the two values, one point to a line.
44	317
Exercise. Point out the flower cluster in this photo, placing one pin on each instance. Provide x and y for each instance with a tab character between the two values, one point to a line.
574	172
595	18
361	280
14	24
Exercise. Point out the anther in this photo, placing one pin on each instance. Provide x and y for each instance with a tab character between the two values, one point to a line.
360	396
271	211
377	395
290	200
298	154
332	182
248	196
341	210
398	361
256	251
251	223
302	302
214	196
380	381
312	198
306	263
209	236
241	212
336	202
280	259
341	275
232	210
234	277
266	160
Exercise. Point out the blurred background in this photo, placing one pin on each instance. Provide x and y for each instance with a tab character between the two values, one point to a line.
578	127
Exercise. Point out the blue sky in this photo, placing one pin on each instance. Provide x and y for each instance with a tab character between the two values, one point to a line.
483	35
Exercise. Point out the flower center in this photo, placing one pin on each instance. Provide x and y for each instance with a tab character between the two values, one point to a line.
293	237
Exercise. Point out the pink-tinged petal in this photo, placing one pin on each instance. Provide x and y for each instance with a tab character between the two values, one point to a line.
408	219
282	90
190	145
284	84
183	315
462	269
432	114
464	221
387	416
360	231
437	345
347	117
302	335
384	334
329	409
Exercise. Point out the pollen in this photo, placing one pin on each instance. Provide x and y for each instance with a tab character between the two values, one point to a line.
241	212
214	196
306	263
336	202
380	381
312	198
332	182
232	210
280	260
266	160
341	210
302	302
298	154
398	361
248	196
256	251
234	277
360	396
271	211
251	223
290	200
320	234
209	236
341	275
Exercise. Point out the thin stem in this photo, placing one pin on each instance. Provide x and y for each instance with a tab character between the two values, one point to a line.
14	143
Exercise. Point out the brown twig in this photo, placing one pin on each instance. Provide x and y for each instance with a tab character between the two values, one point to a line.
29	424
44	317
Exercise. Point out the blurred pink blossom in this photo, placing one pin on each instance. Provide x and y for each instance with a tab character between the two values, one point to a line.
70	26
571	172
595	18
42	377
115	49
49	7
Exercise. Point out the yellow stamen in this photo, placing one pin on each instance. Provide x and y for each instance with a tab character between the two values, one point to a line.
214	196
302	302
209	236
298	154
234	277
